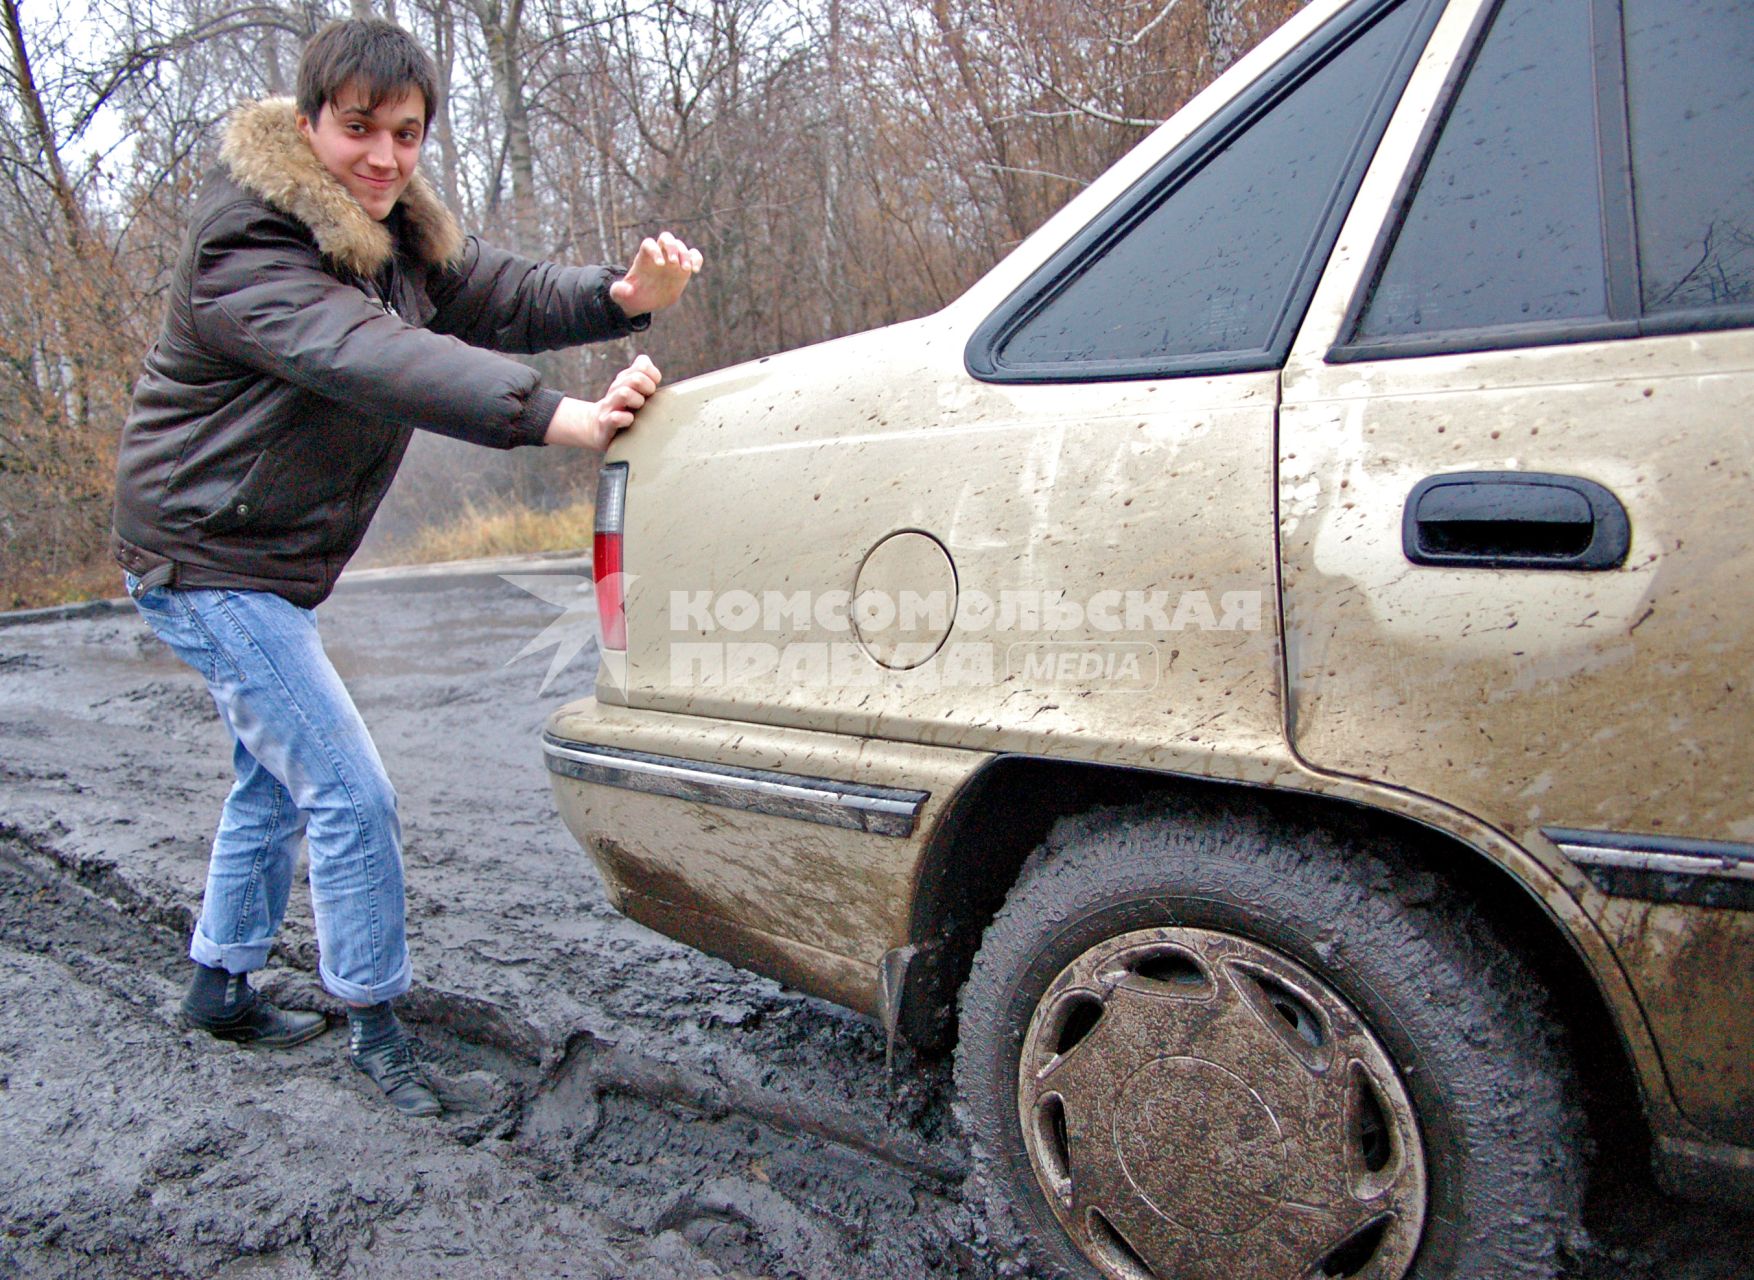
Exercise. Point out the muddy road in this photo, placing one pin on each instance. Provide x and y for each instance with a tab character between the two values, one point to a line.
618	1105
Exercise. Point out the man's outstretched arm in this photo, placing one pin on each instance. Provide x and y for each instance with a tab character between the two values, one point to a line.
592	424
497	299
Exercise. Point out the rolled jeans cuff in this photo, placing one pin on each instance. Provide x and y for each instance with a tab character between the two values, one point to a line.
352	992
238	957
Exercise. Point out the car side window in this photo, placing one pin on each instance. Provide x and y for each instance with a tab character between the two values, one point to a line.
1690	105
1505	225
1209	268
1591	179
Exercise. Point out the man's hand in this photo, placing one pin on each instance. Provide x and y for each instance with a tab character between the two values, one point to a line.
660	272
585	424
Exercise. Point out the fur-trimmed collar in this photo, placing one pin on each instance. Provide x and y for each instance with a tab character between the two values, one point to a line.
270	158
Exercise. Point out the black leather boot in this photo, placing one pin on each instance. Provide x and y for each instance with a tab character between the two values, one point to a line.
378	1046
224	1005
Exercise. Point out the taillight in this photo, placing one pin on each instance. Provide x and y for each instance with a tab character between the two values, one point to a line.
606	554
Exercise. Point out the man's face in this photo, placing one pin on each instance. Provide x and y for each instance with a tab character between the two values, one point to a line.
372	153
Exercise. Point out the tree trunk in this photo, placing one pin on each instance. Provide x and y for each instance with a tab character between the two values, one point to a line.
30	101
1224	32
444	56
956	43
502	29
833	143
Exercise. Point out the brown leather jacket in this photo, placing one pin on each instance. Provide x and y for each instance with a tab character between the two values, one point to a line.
302	344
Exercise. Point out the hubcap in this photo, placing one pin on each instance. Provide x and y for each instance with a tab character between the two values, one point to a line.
1197	1106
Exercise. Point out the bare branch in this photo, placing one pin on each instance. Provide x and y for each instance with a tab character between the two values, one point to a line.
1133	40
1097	113
1037	173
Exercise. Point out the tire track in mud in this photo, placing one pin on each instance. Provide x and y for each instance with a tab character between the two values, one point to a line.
619	1165
147	932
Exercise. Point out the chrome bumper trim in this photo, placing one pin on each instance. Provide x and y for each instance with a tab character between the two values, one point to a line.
1718	1172
1708	873
884	811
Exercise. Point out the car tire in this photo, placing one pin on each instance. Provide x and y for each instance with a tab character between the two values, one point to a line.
1302	1054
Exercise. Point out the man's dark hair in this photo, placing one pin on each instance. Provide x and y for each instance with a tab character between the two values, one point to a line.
379	57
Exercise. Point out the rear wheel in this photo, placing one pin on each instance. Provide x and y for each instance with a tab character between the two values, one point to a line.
1204	1045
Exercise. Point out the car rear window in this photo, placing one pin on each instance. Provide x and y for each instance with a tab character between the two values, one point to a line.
1207	264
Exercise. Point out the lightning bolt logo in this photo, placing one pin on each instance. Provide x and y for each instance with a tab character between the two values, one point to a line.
575	630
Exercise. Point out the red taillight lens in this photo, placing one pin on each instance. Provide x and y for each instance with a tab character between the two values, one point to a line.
606	554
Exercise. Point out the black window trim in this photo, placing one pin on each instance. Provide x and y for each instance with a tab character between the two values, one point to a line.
1625	318
1614	161
1498	337
1168	175
1698	320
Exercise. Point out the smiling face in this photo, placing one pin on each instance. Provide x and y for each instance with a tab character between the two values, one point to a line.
371	153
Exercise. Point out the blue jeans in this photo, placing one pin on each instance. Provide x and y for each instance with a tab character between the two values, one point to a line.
305	765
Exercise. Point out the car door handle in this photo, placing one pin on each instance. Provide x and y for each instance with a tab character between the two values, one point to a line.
1514	520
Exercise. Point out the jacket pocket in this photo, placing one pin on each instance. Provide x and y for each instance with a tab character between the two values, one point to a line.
243	505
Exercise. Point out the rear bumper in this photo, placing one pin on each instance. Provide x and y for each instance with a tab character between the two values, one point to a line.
790	852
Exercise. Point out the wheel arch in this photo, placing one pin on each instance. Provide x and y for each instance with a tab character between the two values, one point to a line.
1007	809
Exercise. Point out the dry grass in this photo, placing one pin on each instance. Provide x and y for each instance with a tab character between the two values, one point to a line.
496	529
493	529
99	580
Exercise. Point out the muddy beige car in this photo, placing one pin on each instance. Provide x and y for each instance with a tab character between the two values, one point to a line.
1267	672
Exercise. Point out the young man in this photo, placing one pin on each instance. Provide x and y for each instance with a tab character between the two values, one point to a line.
324	306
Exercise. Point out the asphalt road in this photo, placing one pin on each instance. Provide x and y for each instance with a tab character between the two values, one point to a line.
619	1105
